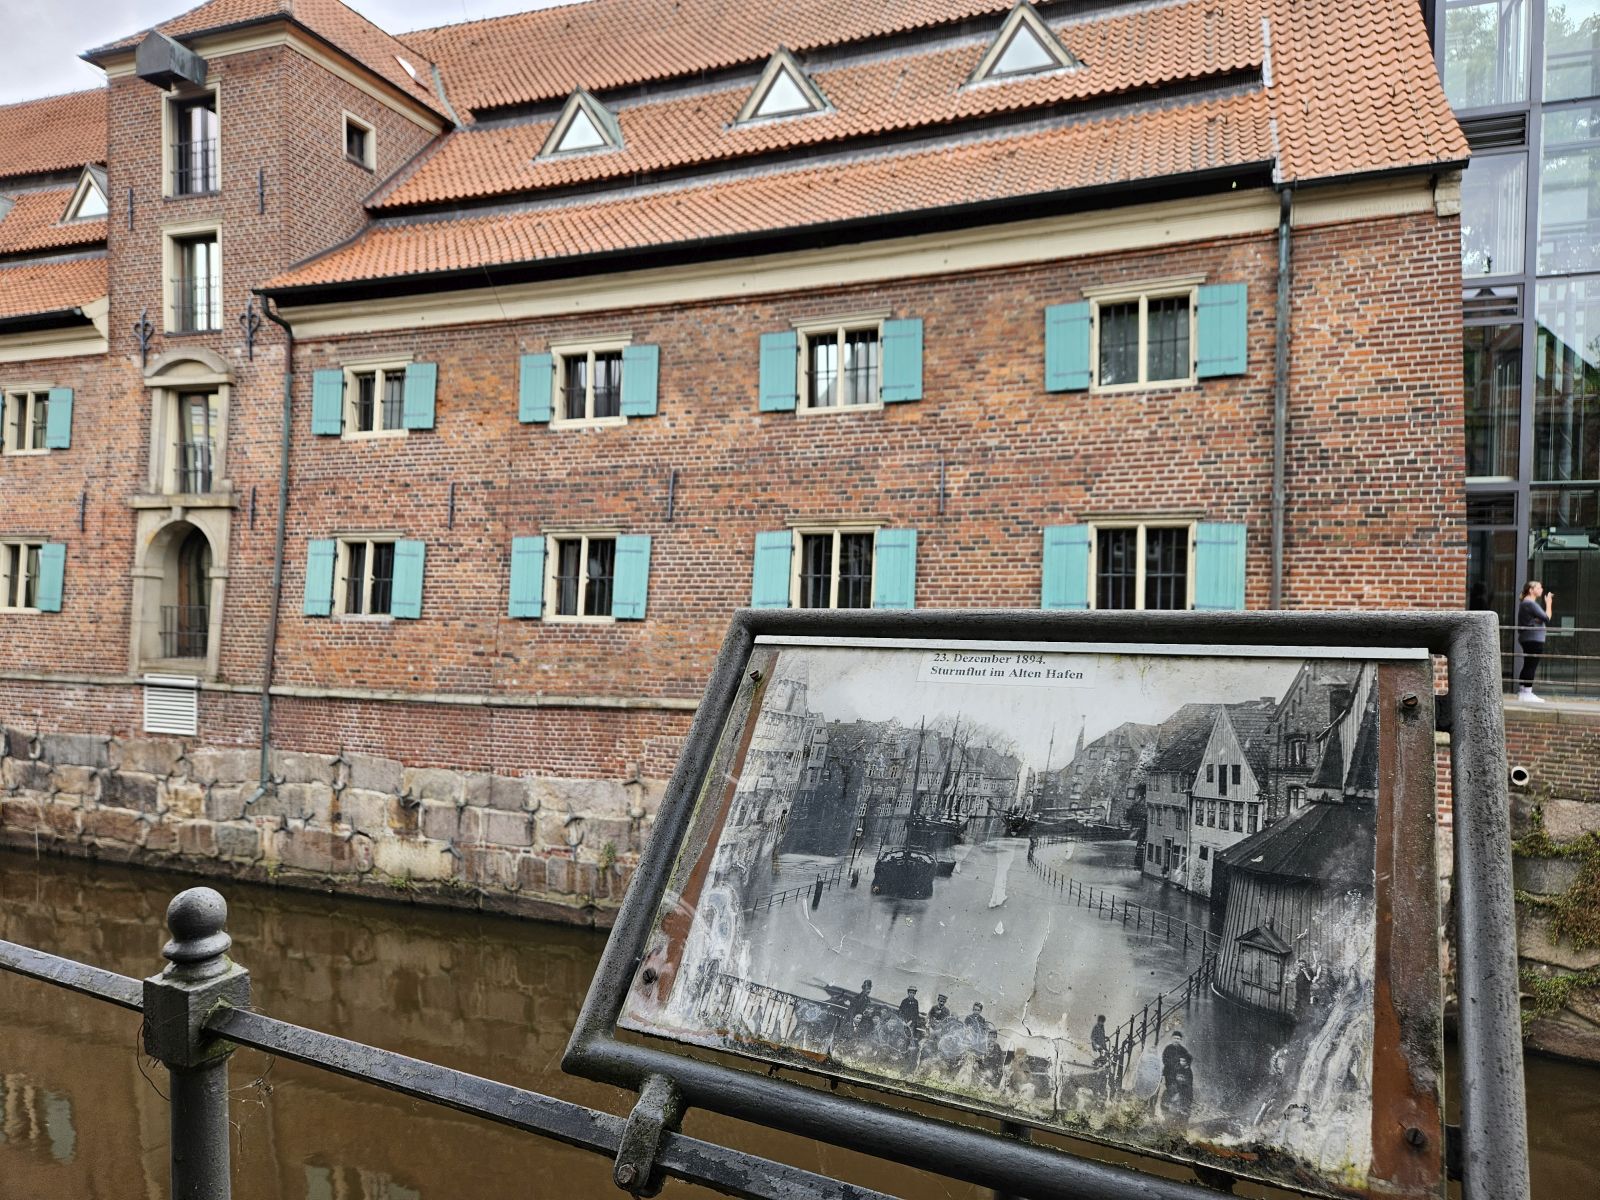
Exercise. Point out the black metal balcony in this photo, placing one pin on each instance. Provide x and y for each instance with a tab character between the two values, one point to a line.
194	167
196	305
185	630
192	466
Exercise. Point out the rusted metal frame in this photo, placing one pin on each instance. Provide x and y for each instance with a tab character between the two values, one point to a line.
74	976
1469	644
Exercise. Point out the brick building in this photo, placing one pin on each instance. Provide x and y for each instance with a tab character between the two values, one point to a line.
560	356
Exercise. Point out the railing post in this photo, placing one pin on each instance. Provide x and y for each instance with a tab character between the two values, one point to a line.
198	978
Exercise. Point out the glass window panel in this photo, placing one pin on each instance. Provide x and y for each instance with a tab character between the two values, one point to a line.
1492	508
93	204
1566	558
1168	322
1502	301
1493	394
569	565
575	387
1494	200
41	417
1022	53
366	401
1566	412
783	97
608	384
855	570
1569	191
1116	567
581	134
1119	343
1571	49
816	570
602	569
823	368
860	381
1485	52
382	576
1166	563
355	141
394	399
30	579
355	580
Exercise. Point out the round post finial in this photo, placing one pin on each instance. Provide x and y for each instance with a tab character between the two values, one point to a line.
199	945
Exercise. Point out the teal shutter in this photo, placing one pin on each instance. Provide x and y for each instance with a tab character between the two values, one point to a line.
536	377
894	569
1066	347
58	420
52	570
1065	579
1219	567
319	577
1220	320
422	380
407	598
527	577
641	377
902	360
780	366
327	402
770	588
631	579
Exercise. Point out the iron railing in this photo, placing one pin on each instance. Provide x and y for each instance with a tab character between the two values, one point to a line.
198	1010
1569	668
194	167
196	304
192	465
184	630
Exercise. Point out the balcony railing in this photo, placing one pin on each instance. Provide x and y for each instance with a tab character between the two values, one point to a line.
185	630
196	305
194	167
192	466
1569	668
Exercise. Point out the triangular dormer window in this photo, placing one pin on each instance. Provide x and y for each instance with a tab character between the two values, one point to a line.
1025	45
89	198
784	90
585	124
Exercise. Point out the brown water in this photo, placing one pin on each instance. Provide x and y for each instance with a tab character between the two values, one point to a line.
82	1116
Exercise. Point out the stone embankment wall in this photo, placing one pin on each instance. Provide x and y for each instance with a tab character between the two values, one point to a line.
563	849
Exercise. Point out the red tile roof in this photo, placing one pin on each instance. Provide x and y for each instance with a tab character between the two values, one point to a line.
32	287
1123	52
1198	137
34	223
334	22
55	134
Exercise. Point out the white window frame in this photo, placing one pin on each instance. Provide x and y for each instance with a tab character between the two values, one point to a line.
564	353
796	560
370	159
172	236
27	394
1189	525
169	138
380	369
552	566
341	574
171	429
836	329
6	581
87	183
1143	293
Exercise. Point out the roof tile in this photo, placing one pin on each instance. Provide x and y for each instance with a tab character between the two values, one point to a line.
34	287
34	223
58	133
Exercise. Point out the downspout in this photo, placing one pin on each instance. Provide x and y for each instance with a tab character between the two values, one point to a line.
1280	397
277	550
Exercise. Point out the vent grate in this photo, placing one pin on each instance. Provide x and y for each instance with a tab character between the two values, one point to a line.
171	704
1496	133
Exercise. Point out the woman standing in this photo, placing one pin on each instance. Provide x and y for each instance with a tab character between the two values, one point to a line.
1532	617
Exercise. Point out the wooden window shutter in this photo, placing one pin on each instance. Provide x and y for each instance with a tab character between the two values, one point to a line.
1064	582
320	554
422	379
1066	347
327	402
408	561
632	577
780	376
770	588
527	577
902	360
58	420
894	569
52	572
1219	567
1221	317
536	378
641	380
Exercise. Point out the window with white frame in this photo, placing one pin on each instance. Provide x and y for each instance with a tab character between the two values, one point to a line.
360	144
194	261
580	576
1143	565
841	366
192	129
374	399
19	575
588	384
1144	338
832	568
364	577
26	413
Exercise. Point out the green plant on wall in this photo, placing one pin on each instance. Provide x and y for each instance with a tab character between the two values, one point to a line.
1574	918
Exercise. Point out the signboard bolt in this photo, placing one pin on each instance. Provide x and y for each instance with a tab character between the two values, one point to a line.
1415	1136
1409	700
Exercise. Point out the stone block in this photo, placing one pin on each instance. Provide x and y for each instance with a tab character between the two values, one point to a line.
123	789
440	821
63	820
19	743
113	825
83	782
161	838
292	766
197	839
316	850
504	828
19	814
476	787
1534	942
558	875
511	795
148	756
297	801
403	859
585	879
361	853
238	841
597	797
225	802
531	873
212	765
490	867
76	749
600	832
1567	820
26	774
555	830
1567	1035
374	774
366	811
1545	876
433	783
186	800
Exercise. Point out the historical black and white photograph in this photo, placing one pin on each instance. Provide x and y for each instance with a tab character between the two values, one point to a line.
1130	897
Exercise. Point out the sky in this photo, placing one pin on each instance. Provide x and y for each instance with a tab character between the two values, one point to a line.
40	53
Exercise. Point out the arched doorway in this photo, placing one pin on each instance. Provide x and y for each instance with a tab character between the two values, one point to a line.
186	622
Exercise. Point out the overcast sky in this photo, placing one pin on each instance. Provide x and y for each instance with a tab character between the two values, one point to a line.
39	55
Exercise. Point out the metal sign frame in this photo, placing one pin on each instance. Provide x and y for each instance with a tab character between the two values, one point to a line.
1493	1130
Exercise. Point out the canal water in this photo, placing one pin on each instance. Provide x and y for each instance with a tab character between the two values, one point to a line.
82	1113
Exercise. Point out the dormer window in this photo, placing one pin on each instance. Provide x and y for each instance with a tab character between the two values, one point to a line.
584	125
89	199
784	90
1025	45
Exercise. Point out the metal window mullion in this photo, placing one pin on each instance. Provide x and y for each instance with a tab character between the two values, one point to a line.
1139	545
588	415
582	601
368	569
833	564
838	402
1144	377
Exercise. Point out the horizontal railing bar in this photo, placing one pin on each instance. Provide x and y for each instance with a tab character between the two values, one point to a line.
74	976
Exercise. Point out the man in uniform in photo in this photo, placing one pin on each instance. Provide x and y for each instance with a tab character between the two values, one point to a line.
940	1011
1177	1078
